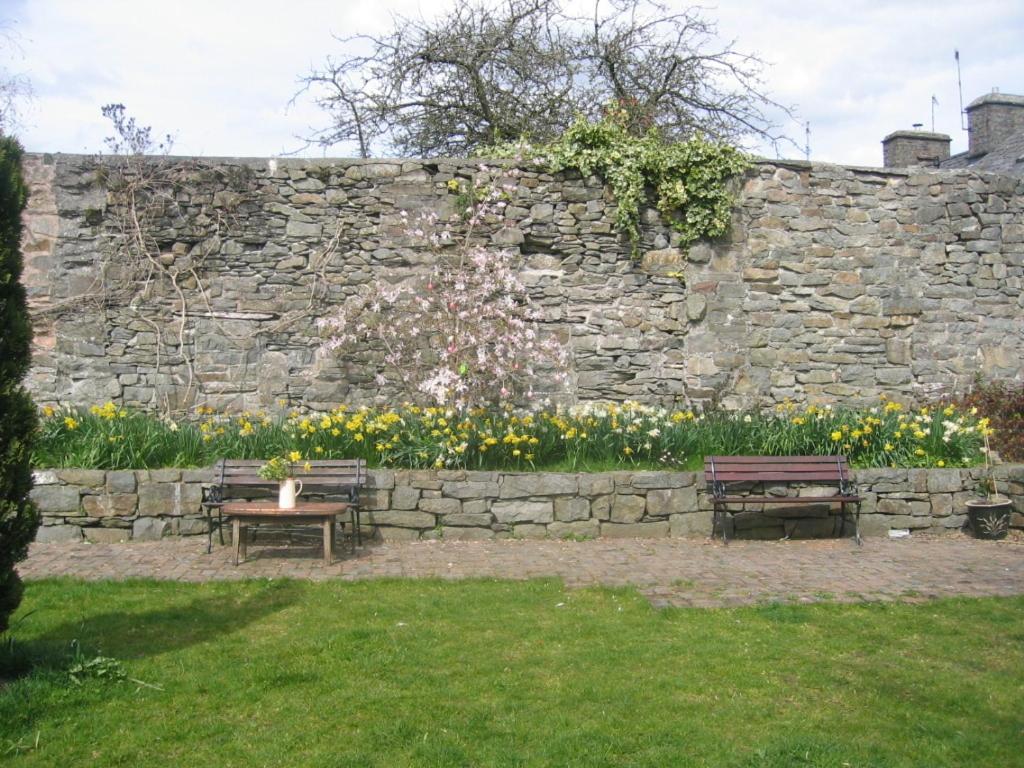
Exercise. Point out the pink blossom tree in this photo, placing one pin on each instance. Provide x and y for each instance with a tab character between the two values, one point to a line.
466	335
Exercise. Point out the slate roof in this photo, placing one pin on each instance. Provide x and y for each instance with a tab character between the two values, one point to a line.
1007	158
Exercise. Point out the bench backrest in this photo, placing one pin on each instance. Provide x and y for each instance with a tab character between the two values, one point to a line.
776	469
324	476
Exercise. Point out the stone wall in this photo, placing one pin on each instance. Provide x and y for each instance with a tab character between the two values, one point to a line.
456	504
835	283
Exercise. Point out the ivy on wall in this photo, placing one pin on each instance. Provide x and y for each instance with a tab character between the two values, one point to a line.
689	179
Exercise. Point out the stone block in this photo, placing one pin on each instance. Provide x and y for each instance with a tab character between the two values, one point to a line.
159	499
58	533
523	511
944	481
121	481
440	506
476	507
663	480
690	524
589	529
149	529
592	485
658	529
941	505
110	505
469	519
572	509
424	479
601	507
380	478
530	531
56	499
627	509
889	506
44	477
191	526
106	535
664	502
400	518
90	478
920	508
191	497
374	499
202	476
538	484
468	489
404	497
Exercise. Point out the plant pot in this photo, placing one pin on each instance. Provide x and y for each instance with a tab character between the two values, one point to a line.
989	519
287	493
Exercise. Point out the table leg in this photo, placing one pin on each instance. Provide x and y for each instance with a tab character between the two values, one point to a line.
236	535
328	539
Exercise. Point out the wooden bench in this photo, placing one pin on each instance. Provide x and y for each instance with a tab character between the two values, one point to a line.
327	479
722	471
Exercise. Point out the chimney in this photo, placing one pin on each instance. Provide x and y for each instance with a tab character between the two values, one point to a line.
901	149
991	120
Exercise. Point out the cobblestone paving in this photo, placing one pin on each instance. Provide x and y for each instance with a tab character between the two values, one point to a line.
676	572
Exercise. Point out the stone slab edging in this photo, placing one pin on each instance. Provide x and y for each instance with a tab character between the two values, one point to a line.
118	505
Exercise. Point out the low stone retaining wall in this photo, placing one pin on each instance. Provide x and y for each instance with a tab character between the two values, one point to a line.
411	504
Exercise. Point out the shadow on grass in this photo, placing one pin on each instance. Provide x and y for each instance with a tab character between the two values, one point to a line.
131	634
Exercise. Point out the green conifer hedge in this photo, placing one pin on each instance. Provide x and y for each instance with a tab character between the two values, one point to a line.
18	517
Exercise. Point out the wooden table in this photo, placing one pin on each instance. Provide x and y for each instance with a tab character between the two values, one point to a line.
242	513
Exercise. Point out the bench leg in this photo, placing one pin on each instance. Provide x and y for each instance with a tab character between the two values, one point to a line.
721	521
328	526
236	534
209	530
856	526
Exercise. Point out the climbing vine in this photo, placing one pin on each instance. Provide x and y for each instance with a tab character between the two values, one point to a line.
689	179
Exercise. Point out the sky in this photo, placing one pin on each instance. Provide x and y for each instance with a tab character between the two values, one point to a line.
219	75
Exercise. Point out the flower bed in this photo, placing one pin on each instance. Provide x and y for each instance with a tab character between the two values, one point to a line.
606	436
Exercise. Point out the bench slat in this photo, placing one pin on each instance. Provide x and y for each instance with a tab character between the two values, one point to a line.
775	476
773	459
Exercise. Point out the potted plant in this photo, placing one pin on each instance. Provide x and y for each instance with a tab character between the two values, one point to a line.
989	514
281	469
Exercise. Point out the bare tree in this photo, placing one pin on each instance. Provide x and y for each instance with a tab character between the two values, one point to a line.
14	87
488	72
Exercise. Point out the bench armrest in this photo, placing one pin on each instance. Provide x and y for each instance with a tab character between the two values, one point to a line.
213	495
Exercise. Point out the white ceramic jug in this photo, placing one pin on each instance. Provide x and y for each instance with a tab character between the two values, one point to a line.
287	493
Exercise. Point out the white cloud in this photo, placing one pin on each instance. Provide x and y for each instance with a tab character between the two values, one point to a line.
219	74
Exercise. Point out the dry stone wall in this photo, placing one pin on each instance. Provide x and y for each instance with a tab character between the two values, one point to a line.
834	284
420	504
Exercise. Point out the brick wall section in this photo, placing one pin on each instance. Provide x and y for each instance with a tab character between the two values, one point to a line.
835	284
454	504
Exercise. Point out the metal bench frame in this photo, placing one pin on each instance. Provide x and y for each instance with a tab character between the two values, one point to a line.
335	477
814	470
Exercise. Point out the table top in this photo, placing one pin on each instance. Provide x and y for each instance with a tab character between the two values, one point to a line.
271	509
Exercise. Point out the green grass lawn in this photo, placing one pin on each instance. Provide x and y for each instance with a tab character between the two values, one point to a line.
483	673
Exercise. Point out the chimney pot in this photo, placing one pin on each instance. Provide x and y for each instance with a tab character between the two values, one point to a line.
901	149
991	120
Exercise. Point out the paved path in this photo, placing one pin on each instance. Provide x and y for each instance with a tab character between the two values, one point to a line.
669	571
